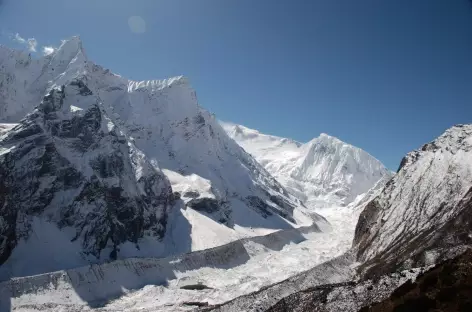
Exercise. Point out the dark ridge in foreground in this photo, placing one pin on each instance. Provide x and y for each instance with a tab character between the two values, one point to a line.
445	287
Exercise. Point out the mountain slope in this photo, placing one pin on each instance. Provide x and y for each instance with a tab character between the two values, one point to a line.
24	80
69	166
423	213
117	168
323	172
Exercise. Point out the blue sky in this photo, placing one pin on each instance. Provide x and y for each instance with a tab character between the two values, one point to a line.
386	76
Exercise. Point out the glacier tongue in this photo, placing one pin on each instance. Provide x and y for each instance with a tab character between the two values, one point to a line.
323	172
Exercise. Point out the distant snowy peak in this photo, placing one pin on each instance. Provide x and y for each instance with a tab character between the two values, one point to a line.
267	149
325	171
244	133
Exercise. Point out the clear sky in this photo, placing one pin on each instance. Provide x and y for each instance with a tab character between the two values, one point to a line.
384	75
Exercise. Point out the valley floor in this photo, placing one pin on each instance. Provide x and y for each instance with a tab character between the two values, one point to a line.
264	267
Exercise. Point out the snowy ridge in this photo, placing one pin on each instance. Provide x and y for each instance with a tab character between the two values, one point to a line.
154	85
323	172
424	210
6	127
24	80
85	135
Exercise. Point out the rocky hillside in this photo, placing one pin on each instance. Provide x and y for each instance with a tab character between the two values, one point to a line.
423	213
445	288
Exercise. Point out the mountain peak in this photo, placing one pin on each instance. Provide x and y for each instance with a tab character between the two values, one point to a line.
328	138
324	171
73	44
71	54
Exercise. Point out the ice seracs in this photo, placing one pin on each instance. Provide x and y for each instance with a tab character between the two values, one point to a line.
324	172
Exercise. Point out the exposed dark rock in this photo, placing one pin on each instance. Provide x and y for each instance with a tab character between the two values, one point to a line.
192	194
107	165
195	287
287	208
38	169
281	208
25	132
199	120
195	303
445	288
259	206
208	205
175	196
282	203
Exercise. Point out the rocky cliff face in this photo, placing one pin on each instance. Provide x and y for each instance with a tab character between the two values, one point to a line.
70	166
423	213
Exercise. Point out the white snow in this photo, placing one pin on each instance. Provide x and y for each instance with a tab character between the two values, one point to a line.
6	127
323	172
425	193
255	263
166	128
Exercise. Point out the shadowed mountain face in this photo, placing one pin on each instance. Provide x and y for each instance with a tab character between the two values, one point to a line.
446	287
71	168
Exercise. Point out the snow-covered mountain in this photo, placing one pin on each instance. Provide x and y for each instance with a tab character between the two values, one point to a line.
323	172
95	167
407	229
102	167
423	214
